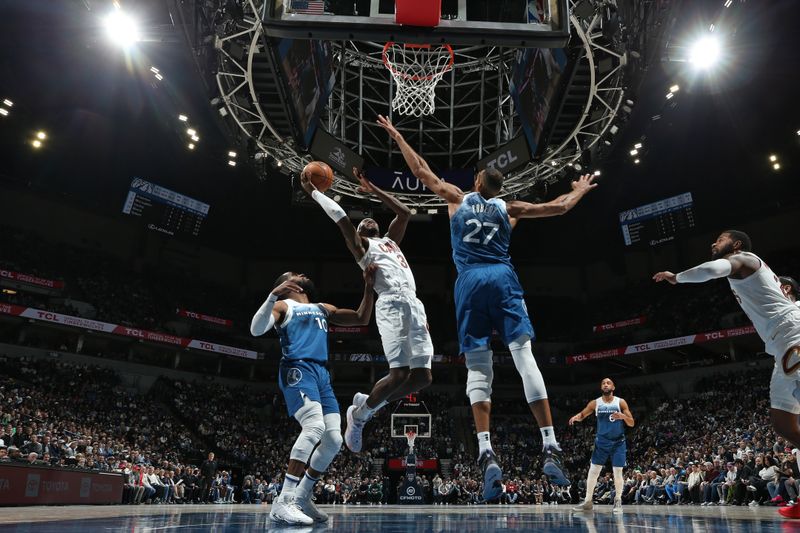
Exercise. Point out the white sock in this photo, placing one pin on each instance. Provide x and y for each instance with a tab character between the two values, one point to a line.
305	487
289	484
619	482
365	412
484	442
549	437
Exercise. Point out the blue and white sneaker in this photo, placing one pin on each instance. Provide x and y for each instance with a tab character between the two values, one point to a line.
553	466
492	476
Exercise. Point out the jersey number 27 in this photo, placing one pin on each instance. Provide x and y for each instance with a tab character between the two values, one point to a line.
471	236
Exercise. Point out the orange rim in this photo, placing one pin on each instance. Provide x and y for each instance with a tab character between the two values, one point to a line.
396	72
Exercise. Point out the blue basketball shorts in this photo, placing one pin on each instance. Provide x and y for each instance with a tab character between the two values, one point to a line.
306	379
605	449
490	298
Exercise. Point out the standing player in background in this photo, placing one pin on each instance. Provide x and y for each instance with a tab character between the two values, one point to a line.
488	295
609	443
790	289
774	316
303	378
399	314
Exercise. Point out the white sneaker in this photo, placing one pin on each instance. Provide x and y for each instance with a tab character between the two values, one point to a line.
310	509
617	507
352	433
585	506
285	509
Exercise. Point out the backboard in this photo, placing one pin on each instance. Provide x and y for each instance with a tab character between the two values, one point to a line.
513	23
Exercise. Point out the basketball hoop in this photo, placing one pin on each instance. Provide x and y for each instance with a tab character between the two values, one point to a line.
416	70
411	435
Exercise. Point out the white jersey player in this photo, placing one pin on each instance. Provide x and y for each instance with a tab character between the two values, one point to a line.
400	316
774	316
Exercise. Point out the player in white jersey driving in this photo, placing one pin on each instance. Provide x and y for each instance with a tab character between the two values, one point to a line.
400	316
609	443
776	320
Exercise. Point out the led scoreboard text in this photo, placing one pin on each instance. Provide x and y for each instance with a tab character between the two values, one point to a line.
657	222
164	210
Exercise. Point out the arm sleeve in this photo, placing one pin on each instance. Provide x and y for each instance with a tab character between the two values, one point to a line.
330	207
705	272
263	320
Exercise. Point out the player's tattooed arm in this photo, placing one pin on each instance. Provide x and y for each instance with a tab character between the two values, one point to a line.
397	227
559	206
587	411
419	167
362	315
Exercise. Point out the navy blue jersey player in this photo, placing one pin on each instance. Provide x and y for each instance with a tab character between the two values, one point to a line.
489	297
303	378
613	415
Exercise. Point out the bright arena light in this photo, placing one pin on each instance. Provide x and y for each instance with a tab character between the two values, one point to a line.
773	158
3	111
8	102
231	154
705	53
37	143
41	135
183	118
121	29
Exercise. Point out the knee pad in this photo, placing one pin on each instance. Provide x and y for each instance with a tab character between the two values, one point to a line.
479	375
329	445
532	380
310	418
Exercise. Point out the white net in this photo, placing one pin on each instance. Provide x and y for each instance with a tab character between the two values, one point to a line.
416	69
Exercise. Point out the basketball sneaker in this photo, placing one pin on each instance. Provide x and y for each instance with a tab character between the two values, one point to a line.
585	506
310	509
492	476
352	433
617	506
790	511
553	467
285	509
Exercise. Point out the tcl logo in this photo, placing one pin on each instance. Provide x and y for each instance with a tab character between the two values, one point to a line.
714	335
205	345
580	358
192	314
134	333
641	348
44	315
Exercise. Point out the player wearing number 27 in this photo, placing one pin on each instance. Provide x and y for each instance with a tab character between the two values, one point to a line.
303	378
488	296
399	314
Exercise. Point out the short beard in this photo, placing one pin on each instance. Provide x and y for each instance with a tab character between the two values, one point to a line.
370	233
722	253
308	289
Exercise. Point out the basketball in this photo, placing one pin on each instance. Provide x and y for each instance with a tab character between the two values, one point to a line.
320	174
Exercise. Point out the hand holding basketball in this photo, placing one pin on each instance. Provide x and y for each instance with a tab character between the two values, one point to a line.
319	174
306	183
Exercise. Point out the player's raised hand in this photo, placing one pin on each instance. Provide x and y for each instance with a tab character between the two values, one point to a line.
386	124
584	184
286	287
305	182
369	275
665	276
366	185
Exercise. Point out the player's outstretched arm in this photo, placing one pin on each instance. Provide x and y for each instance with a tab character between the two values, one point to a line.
625	415
397	227
517	209
588	410
420	169
735	266
272	310
361	316
337	214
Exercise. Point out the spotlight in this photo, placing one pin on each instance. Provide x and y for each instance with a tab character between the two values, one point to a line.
705	52
670	95
637	146
191	146
675	88
280	163
191	132
195	138
432	211
554	163
635	161
634	151
232	163
413	210
3	111
121	29
798	132
596	172
183	118
231	154
154	70
776	166
613	129
159	77
41	135
8	103
36	143
727	3
773	158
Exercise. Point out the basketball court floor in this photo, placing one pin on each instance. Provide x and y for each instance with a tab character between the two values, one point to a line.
395	519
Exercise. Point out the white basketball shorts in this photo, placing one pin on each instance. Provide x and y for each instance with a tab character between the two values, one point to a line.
784	344
404	331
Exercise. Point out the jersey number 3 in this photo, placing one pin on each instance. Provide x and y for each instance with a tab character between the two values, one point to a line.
471	236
